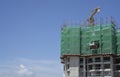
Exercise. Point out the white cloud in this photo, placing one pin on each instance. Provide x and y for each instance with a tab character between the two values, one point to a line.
22	66
31	68
23	71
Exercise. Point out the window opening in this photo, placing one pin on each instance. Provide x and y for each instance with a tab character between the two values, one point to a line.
90	60
107	66
106	59
98	59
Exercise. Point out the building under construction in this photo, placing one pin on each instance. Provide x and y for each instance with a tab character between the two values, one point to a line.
91	51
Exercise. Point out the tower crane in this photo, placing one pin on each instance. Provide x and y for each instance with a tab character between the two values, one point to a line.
91	18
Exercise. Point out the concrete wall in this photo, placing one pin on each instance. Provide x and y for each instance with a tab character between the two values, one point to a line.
102	66
73	64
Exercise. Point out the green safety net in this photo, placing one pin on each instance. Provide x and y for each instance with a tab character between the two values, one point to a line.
75	40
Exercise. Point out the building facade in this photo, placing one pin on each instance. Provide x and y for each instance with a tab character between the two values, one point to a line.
91	51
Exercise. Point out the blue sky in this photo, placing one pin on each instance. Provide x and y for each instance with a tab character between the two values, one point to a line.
30	33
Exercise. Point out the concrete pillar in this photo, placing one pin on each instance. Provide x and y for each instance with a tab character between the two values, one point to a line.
102	73
65	68
112	66
84	67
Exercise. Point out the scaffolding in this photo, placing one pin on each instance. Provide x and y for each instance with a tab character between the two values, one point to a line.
91	51
99	39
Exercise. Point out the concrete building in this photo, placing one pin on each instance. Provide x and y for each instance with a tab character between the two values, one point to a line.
92	51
